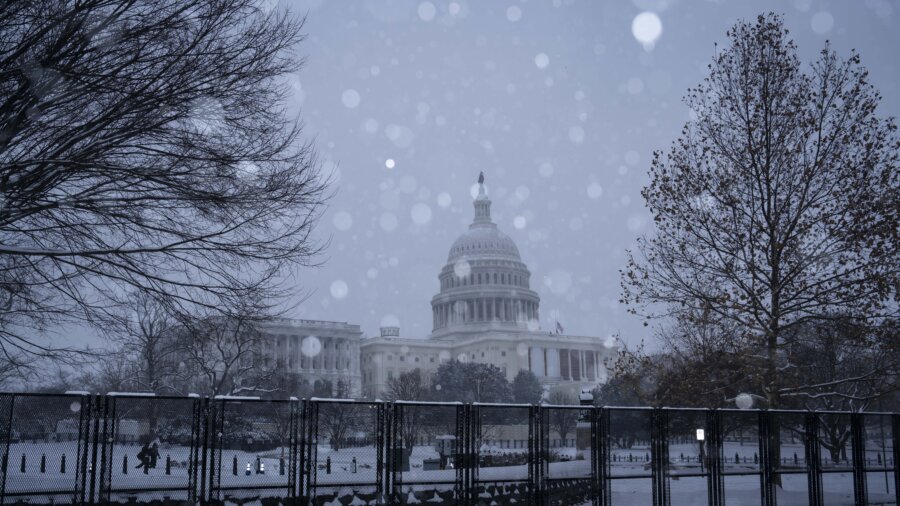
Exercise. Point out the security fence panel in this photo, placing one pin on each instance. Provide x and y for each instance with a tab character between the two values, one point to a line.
253	454
140	448
878	464
149	448
692	452
836	443
741	457
504	444
793	481
344	452
626	434
45	450
431	453
568	448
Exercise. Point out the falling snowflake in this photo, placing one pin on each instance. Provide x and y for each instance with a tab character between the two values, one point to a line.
646	28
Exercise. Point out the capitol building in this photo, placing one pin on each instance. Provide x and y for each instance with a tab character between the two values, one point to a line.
485	312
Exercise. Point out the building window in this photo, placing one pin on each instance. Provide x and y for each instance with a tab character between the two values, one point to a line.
432	360
502	353
417	359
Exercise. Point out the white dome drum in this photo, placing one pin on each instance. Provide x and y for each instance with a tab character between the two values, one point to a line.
484	283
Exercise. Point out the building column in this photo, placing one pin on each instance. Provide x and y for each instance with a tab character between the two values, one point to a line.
553	362
537	361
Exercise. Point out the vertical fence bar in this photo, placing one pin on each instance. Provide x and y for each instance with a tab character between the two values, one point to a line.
294	413
394	422
86	416
895	438
594	414
766	477
715	485
196	448
312	443
813	463
7	436
539	456
301	439
858	439
659	457
383	441
102	469
530	457
604	457
202	471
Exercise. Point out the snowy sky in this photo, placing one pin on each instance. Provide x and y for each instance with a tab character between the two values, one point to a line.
559	102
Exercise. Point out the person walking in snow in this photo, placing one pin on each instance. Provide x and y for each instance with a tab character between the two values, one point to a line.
143	457
153	455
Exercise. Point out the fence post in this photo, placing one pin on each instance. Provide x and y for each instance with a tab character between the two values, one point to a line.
301	439
312	449
766	485
858	439
714	454
895	422
531	457
8	402
197	446
203	423
813	462
390	483
603	457
659	460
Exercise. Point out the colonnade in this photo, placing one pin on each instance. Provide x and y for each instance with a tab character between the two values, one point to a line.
483	309
566	364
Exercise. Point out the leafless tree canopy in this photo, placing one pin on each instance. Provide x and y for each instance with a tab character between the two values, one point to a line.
221	355
145	146
778	204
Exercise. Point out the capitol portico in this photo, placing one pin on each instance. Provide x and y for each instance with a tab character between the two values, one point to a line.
485	312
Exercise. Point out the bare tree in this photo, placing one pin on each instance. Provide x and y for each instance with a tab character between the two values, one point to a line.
339	420
222	355
145	336
145	146
776	206
562	420
410	386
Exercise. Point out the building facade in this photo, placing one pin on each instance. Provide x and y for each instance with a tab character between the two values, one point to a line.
485	312
277	353
316	350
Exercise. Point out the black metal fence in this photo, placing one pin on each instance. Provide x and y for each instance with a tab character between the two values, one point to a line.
131	448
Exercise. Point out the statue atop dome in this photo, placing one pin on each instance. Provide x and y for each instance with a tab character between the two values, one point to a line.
481	177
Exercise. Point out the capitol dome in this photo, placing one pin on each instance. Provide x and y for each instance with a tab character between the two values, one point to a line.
484	282
483	241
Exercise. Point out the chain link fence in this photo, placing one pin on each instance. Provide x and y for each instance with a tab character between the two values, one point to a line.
78	448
